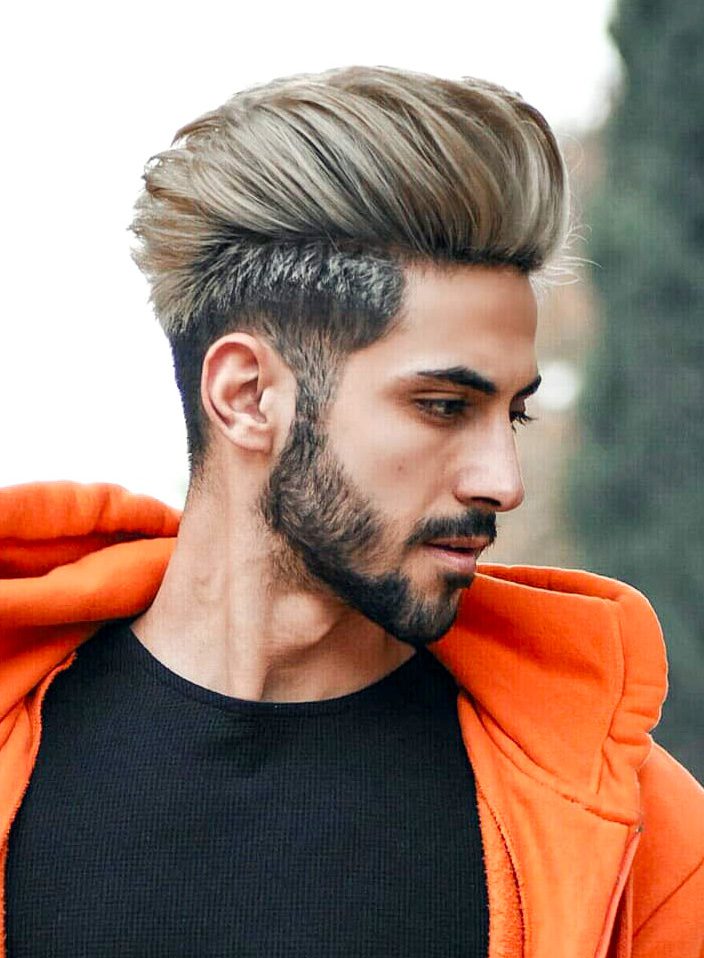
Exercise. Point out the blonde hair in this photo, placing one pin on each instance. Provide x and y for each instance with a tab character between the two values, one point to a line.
294	206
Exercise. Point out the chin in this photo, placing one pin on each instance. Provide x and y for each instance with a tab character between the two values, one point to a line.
446	590
419	634
459	581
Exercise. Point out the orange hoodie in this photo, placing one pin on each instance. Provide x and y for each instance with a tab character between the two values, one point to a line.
593	835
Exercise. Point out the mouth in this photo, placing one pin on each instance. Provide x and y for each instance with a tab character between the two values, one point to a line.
457	554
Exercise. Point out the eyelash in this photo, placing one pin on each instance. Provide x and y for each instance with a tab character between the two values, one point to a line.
517	417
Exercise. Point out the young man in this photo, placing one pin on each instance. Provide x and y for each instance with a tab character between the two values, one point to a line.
286	725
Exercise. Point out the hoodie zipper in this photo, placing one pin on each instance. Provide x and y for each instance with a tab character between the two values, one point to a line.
624	872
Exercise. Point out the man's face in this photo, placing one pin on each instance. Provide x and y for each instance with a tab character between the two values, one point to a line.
404	457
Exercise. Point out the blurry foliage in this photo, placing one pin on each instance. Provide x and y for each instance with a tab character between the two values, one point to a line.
636	490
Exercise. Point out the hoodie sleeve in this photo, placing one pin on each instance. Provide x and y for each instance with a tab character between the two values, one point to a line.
676	927
669	867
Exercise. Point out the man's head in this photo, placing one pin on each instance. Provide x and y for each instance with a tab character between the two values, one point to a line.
351	230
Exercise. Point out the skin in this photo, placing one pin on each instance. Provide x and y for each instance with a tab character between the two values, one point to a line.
301	569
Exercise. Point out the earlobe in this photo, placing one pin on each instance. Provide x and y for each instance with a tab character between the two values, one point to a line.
232	386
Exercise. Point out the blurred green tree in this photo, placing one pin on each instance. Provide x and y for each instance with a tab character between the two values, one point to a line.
636	488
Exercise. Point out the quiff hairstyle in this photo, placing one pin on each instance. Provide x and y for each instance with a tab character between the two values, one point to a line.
292	210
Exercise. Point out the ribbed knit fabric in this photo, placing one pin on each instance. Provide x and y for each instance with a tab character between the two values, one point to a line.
163	819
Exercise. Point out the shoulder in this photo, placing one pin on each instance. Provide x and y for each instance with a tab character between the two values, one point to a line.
668	871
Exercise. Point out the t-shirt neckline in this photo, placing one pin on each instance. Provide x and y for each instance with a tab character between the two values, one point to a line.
381	692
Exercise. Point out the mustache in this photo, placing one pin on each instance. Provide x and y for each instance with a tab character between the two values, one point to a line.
476	524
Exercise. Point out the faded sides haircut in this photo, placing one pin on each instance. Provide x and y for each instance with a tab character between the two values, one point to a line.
292	210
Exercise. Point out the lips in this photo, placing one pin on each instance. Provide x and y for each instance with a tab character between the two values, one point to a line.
461	544
460	558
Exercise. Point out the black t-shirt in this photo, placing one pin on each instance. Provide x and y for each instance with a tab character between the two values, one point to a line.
163	819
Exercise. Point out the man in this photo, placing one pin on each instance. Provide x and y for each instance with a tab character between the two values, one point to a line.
287	725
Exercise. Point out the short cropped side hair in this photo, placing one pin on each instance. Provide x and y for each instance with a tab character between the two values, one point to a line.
291	211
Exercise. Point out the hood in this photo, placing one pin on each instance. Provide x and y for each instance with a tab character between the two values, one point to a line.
566	669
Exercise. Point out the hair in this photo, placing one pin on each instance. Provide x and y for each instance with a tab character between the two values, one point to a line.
292	210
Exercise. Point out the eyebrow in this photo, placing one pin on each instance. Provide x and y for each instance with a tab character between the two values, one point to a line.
464	376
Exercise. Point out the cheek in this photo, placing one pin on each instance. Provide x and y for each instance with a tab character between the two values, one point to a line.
397	464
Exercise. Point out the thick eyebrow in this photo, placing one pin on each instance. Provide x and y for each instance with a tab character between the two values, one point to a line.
464	376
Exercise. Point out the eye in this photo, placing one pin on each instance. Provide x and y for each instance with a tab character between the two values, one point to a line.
521	417
449	408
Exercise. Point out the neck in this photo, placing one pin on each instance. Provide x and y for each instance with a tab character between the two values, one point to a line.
220	621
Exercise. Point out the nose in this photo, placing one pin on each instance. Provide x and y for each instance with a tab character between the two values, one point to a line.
490	473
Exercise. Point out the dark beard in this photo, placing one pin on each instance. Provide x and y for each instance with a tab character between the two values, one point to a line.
322	521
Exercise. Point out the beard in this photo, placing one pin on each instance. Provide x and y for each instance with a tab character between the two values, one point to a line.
325	531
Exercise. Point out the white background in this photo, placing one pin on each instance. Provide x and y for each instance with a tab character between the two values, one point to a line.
90	92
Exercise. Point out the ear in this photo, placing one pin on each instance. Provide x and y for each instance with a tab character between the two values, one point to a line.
239	383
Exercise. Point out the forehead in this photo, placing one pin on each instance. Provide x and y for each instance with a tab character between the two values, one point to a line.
481	317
